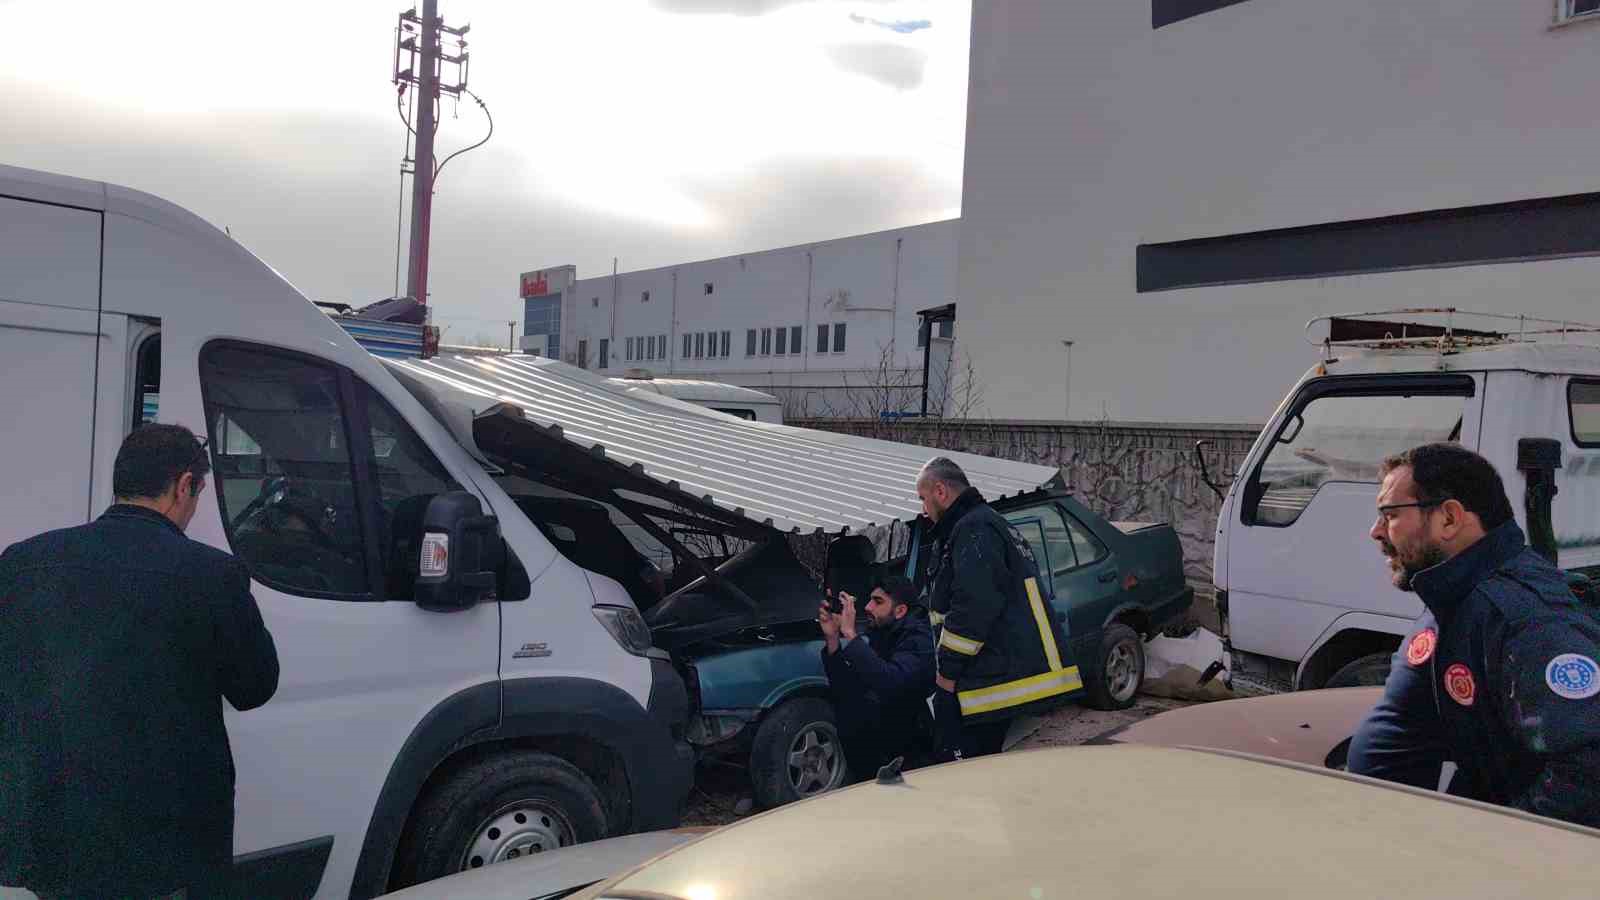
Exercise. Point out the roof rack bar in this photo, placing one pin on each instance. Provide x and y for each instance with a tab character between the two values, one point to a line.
1449	338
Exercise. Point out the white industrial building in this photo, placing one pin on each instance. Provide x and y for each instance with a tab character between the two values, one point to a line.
1177	186
832	327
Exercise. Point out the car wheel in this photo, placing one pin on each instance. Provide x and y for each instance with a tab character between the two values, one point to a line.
501	808
796	753
1371	670
1118	670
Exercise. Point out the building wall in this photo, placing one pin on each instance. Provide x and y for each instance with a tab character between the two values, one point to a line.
873	284
1091	133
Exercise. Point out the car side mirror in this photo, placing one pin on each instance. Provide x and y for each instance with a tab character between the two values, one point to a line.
461	553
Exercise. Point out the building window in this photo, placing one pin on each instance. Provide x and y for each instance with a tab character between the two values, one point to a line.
708	289
644	297
783	341
699	346
583	354
661	342
838	337
594	302
605	354
750	342
627	354
1567	10
650	347
822	339
727	341
766	342
688	346
794	338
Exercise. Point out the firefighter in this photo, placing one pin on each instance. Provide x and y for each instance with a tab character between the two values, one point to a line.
1000	644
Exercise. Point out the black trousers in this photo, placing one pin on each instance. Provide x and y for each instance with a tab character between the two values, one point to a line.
955	739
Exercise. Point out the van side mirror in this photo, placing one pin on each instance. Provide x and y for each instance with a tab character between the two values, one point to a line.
461	553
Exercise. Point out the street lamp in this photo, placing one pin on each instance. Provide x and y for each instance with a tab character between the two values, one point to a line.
1067	408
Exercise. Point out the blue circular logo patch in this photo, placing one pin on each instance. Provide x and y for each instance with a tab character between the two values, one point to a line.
1573	676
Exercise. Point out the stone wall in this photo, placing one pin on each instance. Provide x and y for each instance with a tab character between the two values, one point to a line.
1123	471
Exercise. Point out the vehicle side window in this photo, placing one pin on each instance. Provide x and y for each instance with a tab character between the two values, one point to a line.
284	476
408	477
1047	533
1088	548
1346	437
1583	408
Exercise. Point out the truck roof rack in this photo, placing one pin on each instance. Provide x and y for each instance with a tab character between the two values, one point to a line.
1366	330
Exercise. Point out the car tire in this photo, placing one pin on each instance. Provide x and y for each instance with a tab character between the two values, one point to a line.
797	753
499	808
1371	670
1117	670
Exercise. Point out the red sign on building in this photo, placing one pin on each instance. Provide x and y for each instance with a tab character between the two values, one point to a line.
534	284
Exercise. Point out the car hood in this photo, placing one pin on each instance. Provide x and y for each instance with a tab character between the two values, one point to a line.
1303	727
1126	821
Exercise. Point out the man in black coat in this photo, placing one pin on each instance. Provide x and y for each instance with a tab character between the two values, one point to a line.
879	681
122	637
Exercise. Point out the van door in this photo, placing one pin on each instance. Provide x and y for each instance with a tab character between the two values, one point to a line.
1299	555
49	297
321	486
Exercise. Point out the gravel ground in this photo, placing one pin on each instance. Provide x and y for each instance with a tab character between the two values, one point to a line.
722	791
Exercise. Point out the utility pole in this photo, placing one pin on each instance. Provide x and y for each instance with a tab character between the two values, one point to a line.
417	41
1066	412
511	336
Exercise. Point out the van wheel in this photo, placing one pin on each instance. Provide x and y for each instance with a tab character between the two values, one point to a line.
504	807
1371	670
1119	669
796	753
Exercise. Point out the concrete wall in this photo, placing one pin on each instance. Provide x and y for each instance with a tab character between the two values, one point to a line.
872	283
1090	133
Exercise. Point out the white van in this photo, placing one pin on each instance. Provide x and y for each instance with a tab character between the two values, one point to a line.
745	403
406	739
1304	593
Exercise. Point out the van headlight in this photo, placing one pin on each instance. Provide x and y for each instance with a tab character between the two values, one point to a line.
626	626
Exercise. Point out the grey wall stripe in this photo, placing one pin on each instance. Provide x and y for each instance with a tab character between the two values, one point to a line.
1527	230
1165	12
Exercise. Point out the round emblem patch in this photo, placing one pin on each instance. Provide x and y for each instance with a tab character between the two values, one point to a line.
1421	647
1459	684
1573	676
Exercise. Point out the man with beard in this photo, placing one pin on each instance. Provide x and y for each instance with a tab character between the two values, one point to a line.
1499	674
879	681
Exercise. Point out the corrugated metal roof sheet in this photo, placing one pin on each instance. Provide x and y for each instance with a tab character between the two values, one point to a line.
794	479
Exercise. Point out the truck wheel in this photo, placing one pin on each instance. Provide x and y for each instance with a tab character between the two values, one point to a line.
1366	671
504	807
1118	671
796	753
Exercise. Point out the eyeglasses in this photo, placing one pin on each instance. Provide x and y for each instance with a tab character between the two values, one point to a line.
1387	512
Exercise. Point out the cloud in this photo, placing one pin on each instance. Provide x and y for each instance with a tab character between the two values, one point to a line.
899	26
892	64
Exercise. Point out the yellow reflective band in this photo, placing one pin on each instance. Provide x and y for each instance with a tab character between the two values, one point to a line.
935	618
1052	655
1019	692
965	646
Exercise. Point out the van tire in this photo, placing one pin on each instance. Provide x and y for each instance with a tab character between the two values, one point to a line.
1364	671
507	805
1117	671
804	725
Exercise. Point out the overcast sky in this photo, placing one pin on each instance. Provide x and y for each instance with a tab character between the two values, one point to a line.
656	131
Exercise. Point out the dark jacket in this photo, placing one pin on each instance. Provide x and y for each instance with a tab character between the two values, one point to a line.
1000	641
121	638
1500	675
881	680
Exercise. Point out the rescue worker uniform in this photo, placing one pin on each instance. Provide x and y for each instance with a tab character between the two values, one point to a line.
1499	676
999	640
879	682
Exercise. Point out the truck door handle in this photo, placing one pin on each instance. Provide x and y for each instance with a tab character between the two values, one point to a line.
1107	576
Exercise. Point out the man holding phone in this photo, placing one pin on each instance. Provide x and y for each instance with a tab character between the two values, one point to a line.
880	680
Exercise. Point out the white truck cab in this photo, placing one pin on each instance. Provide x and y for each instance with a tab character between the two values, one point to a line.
1304	593
406	739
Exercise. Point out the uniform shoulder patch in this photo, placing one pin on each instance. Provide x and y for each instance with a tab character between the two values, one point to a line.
1420	650
1459	684
1573	676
